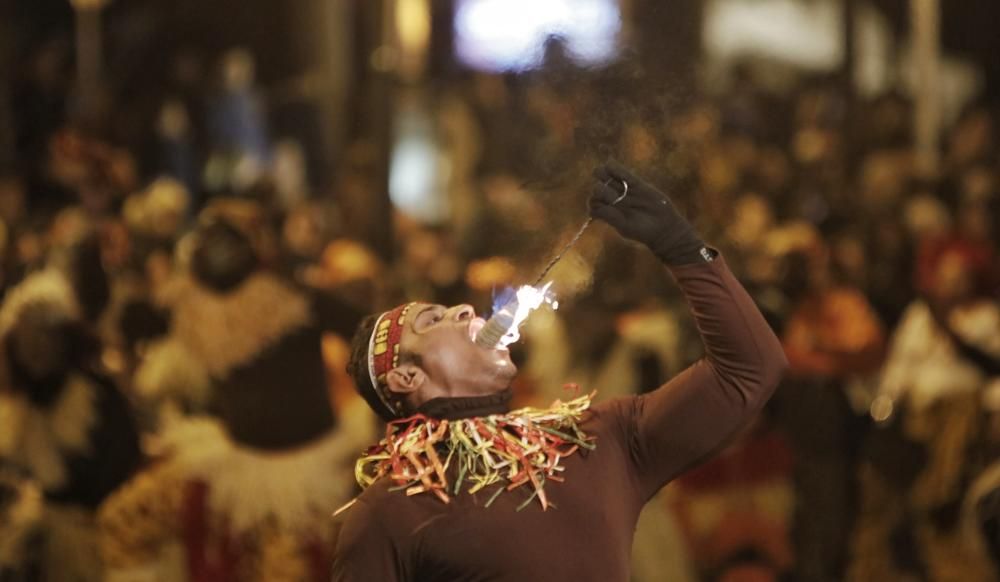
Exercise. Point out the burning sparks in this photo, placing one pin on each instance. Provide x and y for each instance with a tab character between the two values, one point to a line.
528	299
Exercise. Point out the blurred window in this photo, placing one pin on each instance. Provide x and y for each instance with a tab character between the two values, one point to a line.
501	35
807	34
417	171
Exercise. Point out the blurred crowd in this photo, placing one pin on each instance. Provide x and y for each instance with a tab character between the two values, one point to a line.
177	309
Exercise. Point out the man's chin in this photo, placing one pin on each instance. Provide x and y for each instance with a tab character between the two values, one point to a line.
503	367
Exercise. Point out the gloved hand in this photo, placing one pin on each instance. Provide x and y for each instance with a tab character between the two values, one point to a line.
645	215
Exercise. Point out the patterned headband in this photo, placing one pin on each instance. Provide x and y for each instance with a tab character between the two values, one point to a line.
383	351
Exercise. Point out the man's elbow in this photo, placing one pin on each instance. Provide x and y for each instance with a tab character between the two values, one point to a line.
773	371
755	381
768	371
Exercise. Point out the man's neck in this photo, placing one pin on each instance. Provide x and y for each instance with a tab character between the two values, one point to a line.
456	407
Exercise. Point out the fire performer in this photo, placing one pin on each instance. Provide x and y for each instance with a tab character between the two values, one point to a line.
461	488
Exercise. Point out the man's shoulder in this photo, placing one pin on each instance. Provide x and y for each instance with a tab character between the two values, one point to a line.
363	517
610	419
372	500
382	505
610	410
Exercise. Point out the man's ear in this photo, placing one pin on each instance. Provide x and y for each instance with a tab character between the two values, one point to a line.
406	379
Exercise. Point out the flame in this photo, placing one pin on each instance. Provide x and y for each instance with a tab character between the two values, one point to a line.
528	299
501	296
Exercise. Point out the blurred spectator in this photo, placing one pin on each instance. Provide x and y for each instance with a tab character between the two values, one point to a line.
249	497
40	104
240	150
981	508
919	467
175	147
20	517
832	339
63	420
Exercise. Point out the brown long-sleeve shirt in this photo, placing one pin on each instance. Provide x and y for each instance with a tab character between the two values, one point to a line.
643	442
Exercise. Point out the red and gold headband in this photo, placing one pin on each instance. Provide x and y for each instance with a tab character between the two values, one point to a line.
383	351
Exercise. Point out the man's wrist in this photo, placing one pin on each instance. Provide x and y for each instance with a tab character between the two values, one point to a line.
683	248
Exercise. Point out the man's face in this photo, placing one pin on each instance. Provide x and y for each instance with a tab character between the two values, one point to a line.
953	280
442	338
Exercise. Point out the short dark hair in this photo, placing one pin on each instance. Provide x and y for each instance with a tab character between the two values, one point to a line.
357	366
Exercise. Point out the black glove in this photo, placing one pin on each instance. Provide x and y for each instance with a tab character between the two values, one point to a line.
645	215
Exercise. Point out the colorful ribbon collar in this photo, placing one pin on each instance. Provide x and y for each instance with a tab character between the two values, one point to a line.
521	450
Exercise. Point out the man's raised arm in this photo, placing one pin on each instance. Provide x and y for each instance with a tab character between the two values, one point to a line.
694	414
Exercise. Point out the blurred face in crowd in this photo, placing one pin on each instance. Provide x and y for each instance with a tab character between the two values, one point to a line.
173	121
303	232
974	221
115	244
807	271
12	199
752	219
351	269
972	137
440	358
39	345
849	255
952	280
238	69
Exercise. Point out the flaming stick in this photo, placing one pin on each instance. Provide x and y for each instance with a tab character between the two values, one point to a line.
501	329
